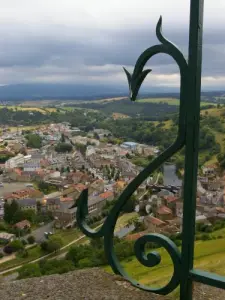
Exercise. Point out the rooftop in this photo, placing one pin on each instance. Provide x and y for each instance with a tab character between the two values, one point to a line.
6	235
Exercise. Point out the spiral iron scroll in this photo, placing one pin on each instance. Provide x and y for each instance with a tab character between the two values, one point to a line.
151	259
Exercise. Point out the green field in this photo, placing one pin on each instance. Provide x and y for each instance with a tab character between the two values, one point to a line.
20	108
209	256
67	235
170	101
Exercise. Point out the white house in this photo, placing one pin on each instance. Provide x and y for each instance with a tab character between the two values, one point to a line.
14	161
90	150
129	145
209	170
31	167
55	174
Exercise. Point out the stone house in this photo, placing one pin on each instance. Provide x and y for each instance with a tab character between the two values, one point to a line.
95	204
153	224
6	237
50	204
96	187
25	224
65	215
28	203
164	213
74	190
170	202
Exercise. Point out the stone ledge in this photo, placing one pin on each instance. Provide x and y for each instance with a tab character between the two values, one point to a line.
88	284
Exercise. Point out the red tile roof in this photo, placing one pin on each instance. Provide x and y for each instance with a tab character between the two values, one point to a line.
80	186
220	209
212	166
156	221
64	199
135	236
18	171
164	210
170	199
21	193
106	195
22	224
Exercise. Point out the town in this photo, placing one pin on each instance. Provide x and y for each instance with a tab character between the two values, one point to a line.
45	169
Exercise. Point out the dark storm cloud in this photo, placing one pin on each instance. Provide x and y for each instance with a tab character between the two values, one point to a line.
65	49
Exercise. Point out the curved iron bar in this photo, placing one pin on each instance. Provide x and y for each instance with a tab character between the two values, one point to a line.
135	80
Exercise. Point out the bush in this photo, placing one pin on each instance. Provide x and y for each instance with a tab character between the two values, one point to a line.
31	239
44	246
85	263
16	245
8	249
205	237
22	253
63	147
55	266
3	226
178	243
24	242
29	270
52	245
1	255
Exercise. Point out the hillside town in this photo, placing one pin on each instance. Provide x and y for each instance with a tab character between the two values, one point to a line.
45	182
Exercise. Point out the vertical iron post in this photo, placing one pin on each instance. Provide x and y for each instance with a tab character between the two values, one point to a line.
192	144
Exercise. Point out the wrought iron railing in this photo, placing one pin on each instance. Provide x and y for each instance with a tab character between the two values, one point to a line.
188	135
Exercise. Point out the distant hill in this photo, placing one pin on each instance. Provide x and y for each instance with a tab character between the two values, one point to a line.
85	91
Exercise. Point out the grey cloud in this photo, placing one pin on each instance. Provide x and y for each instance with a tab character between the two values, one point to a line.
68	51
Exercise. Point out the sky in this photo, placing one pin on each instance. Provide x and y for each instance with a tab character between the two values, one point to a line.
88	41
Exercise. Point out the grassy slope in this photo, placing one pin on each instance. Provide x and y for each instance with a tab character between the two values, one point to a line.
43	111
171	101
209	256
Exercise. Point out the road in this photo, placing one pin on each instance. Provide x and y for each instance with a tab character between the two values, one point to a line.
45	256
39	233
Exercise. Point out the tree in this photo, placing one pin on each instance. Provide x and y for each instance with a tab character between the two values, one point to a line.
61	266
46	187
21	215
63	147
52	245
33	141
39	206
10	210
221	160
81	147
63	140
44	246
74	255
31	239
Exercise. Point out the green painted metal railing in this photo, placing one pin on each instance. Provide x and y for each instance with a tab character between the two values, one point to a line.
188	135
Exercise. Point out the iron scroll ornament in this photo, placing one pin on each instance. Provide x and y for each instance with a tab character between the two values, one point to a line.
107	229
